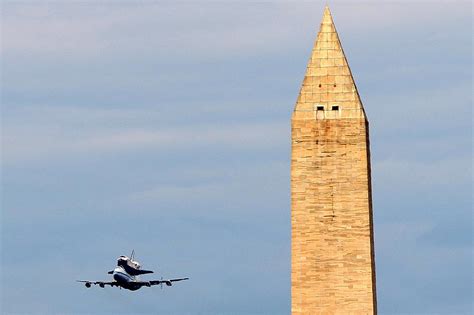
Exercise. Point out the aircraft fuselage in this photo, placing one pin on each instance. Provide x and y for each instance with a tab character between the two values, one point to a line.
125	280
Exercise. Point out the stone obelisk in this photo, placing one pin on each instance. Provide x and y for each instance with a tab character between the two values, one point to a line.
332	241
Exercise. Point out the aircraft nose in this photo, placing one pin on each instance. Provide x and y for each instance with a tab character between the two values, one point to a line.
120	277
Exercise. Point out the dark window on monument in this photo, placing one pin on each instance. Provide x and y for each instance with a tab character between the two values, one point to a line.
320	108
335	107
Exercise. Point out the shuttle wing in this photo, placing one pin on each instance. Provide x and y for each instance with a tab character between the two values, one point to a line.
141	272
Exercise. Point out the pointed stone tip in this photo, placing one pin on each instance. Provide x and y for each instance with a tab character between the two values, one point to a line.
327	17
328	82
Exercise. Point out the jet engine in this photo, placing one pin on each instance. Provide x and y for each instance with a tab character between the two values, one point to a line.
101	285
88	284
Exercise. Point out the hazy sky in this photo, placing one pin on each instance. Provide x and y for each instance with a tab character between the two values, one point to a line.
164	127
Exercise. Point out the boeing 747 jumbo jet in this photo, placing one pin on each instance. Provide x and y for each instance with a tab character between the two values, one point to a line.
126	276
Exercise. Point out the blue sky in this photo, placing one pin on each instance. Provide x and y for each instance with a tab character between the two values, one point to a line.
165	127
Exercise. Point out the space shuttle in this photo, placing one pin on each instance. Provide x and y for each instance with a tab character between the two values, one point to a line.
131	266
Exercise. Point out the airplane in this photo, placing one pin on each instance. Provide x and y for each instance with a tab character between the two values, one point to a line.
126	276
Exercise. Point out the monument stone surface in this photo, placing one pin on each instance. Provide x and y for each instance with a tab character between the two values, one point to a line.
332	242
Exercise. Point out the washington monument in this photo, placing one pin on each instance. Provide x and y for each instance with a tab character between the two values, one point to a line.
332	243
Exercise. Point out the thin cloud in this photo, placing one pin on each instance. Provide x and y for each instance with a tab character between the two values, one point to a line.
151	30
65	135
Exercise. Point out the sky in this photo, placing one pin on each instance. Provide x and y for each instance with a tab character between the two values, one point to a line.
164	127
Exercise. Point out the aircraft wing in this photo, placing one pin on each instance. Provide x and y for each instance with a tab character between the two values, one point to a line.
99	283
168	282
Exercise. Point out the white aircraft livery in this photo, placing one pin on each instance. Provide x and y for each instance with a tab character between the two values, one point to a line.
126	276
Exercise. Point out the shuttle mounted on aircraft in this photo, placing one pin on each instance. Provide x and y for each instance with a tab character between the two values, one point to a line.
126	274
